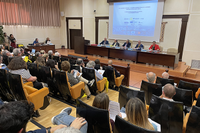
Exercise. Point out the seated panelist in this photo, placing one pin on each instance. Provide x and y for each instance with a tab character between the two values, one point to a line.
139	46
104	42
154	46
115	43
36	42
48	41
127	44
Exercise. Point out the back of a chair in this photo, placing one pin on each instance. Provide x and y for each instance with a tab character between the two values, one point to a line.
56	58
123	126
190	86
149	89
89	74
15	82
5	92
198	101
125	94
163	81
194	121
33	69
109	73
61	83
45	73
185	96
98	119
74	67
167	113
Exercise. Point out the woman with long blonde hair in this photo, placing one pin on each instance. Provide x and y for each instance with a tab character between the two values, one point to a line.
137	114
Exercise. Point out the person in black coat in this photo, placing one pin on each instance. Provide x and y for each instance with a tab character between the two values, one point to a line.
127	44
115	43
104	42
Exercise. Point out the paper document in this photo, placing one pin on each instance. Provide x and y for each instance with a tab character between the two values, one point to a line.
101	71
114	108
155	123
75	73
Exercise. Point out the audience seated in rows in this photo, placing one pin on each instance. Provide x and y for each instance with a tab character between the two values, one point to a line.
14	117
65	66
18	66
46	57
91	65
37	54
151	77
79	62
165	75
117	74
168	92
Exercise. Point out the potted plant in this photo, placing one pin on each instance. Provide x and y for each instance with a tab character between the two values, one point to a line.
1	35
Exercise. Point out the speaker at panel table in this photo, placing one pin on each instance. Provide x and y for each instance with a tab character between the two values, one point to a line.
105	42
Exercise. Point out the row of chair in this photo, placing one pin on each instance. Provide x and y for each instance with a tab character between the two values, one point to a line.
168	113
12	88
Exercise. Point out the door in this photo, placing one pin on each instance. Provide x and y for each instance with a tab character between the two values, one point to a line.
73	33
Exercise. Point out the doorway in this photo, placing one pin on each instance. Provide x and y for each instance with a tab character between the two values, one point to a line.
73	33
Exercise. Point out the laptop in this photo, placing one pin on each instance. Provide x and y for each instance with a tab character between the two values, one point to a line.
33	51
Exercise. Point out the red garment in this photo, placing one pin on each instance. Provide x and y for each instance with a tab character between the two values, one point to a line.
13	44
156	47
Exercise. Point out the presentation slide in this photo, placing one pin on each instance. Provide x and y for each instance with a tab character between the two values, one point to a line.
136	20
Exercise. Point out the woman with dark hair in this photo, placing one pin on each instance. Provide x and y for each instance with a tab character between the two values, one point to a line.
102	101
52	64
18	66
97	64
13	41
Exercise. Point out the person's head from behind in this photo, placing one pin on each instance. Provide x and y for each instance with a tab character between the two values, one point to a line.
6	53
14	116
67	130
137	114
110	63
4	34
42	52
1	58
151	77
165	75
17	52
37	54
17	63
50	52
168	91
46	56
22	50
79	62
101	101
97	61
90	64
50	63
40	61
65	66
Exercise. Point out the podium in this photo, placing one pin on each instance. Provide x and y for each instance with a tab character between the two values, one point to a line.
79	43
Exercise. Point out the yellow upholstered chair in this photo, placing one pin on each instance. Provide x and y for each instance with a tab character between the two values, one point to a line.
35	96
76	89
118	80
101	84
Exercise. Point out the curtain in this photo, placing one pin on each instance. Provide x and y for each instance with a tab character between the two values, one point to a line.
30	12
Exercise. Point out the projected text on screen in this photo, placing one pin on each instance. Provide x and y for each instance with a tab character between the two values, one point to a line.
135	18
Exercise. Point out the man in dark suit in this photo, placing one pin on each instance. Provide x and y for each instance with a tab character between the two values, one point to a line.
117	74
127	44
104	42
115	43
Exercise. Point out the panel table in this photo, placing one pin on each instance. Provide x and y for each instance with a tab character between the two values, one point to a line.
46	48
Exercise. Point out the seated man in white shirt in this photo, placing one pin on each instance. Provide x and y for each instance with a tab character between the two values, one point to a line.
168	92
91	65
